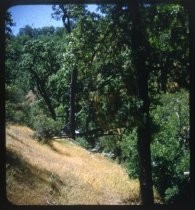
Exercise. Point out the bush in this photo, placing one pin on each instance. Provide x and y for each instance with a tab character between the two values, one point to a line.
14	94
170	145
83	142
129	154
16	110
45	128
108	143
171	193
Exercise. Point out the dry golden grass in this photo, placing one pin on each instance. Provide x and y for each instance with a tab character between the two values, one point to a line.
62	172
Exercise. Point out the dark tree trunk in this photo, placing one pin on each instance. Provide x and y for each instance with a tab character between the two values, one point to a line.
164	80
48	102
71	111
88	119
164	74
139	47
44	94
72	102
65	18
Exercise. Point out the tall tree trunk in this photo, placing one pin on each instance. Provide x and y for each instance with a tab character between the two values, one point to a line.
48	102
144	136
71	110
44	94
164	74
88	119
71	113
65	18
72	103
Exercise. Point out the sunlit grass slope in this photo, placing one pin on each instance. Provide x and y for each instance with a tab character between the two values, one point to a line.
62	172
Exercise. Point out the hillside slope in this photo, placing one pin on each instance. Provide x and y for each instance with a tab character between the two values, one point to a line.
61	173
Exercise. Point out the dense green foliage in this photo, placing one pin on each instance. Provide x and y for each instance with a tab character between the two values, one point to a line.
39	63
170	146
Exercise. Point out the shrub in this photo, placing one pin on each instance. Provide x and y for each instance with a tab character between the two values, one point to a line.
83	142
129	154
171	193
16	110
170	145
110	143
14	94
45	128
107	143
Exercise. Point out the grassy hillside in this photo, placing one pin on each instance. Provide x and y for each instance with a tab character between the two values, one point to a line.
61	172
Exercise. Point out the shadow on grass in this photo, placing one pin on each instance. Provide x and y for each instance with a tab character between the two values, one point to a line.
15	161
55	149
26	174
16	138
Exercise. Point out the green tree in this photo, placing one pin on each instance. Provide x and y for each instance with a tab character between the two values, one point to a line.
41	59
170	146
117	68
8	24
70	14
168	36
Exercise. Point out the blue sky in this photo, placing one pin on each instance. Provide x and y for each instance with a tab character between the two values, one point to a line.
36	16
